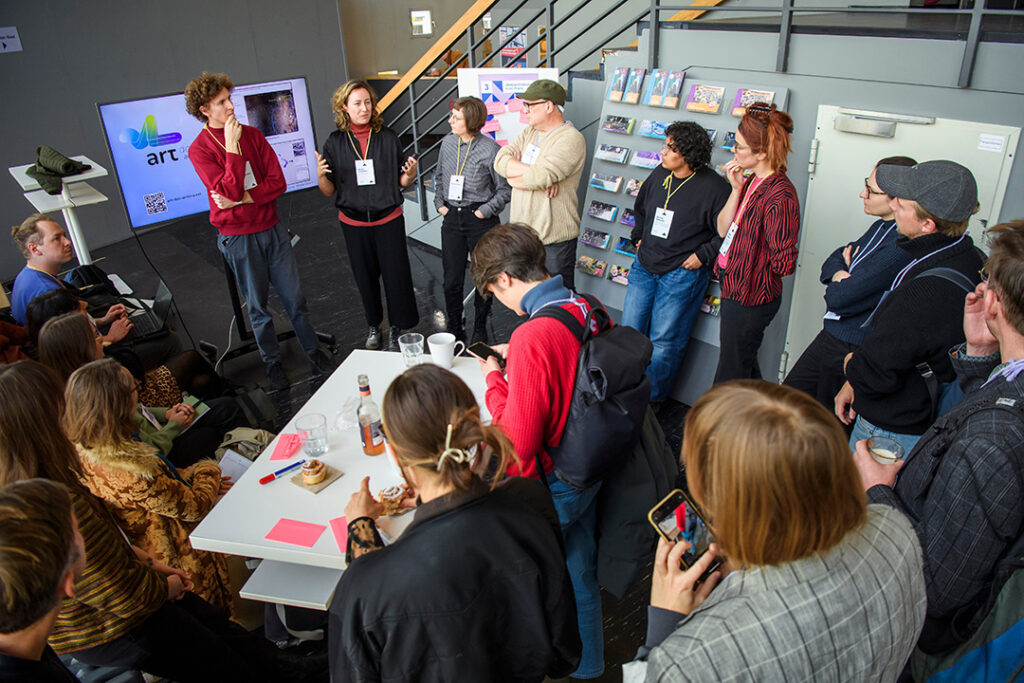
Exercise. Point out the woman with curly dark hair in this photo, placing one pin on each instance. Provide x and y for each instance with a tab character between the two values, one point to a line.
677	238
362	169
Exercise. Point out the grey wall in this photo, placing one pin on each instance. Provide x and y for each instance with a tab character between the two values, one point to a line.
79	53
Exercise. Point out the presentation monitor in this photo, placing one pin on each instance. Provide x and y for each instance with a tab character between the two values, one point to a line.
149	139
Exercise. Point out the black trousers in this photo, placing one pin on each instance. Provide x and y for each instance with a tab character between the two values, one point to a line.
202	438
460	231
189	640
740	336
561	260
380	253
819	370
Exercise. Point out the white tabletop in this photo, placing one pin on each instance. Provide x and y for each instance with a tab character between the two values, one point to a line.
238	523
29	183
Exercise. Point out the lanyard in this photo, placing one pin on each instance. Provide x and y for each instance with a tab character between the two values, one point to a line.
538	138
1009	371
207	129
49	275
903	273
370	135
754	184
668	186
872	244
458	147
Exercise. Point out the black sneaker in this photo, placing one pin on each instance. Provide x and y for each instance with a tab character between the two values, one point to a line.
278	378
321	364
373	339
393	336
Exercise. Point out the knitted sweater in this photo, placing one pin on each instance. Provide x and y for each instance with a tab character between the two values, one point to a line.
561	157
115	593
224	174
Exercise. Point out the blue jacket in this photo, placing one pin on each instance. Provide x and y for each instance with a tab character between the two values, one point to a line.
876	263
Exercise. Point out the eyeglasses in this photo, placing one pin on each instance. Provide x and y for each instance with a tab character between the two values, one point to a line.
736	146
983	274
867	186
527	105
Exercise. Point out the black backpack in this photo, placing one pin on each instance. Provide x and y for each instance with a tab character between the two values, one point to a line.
609	396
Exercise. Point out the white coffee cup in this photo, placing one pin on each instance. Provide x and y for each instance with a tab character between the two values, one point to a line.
443	348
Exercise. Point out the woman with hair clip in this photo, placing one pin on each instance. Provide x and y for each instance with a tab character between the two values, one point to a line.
476	587
759	226
129	609
362	169
155	503
815	583
469	194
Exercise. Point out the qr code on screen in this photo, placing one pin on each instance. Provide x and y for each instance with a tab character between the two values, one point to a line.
155	203
299	148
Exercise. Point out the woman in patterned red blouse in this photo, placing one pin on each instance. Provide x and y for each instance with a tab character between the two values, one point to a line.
759	224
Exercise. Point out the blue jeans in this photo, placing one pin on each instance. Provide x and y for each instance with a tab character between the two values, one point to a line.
577	514
862	429
664	307
258	260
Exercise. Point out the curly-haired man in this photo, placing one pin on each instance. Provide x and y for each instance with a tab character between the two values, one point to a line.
241	171
675	232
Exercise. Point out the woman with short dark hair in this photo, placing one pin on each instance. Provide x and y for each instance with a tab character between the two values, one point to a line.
469	194
814	584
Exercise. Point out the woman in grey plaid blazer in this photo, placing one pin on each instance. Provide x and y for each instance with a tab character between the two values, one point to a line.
815	585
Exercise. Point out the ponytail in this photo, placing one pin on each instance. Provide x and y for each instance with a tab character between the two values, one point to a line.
767	129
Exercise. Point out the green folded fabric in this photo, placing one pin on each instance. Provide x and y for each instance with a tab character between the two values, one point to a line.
48	180
52	160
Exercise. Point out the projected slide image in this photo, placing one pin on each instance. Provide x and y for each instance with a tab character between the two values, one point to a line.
273	113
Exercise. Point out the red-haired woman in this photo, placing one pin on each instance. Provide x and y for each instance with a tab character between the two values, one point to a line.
759	225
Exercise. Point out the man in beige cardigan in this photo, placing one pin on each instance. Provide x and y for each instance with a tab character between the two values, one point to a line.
543	166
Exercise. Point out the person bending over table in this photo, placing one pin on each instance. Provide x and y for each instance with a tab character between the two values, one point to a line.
759	226
128	609
362	169
469	194
476	588
815	583
154	502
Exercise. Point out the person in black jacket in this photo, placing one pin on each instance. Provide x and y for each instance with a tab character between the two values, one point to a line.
362	169
476	588
677	238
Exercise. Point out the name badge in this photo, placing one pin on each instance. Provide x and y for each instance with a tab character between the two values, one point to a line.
455	184
364	172
662	223
531	154
250	178
724	249
829	315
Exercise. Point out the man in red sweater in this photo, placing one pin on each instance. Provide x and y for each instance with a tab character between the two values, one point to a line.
530	399
241	171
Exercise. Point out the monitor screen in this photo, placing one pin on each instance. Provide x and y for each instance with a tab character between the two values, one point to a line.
149	139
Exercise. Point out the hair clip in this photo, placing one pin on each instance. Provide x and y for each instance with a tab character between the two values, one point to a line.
457	454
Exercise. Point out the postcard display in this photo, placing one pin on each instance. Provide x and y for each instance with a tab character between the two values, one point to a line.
636	111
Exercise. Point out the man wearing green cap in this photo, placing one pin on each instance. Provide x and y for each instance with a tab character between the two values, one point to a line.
543	166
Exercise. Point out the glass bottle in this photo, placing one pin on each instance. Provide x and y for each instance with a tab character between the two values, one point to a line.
368	416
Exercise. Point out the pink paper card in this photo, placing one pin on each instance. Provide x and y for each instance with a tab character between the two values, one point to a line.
490	126
523	117
515	104
502	142
295	532
286	447
339	525
495	108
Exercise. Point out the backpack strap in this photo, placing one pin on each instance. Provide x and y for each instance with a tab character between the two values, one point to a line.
596	312
949	275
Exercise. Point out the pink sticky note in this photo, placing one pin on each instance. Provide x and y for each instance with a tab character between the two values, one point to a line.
495	108
524	117
490	126
515	104
296	532
339	525
286	447
502	142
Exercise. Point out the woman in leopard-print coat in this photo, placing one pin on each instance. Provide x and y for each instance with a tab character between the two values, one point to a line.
156	504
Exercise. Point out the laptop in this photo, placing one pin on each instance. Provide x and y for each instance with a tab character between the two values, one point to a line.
151	322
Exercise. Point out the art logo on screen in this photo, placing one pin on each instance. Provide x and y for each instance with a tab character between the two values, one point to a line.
147	136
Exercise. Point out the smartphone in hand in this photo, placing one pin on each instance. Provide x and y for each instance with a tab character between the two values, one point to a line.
677	518
483	352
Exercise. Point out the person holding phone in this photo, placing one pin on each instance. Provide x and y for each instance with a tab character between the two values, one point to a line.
759	226
813	579
476	588
469	194
362	169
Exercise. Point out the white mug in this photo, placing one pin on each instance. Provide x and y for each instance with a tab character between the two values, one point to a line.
443	348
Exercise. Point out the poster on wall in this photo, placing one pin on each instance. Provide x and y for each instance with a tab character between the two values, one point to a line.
510	54
149	139
498	89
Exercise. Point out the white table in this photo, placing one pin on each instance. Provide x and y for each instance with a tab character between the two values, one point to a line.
238	523
75	192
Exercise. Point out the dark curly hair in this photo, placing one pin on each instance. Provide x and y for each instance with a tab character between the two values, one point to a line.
200	91
691	141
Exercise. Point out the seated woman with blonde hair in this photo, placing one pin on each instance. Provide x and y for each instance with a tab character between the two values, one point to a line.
476	587
155	503
816	584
